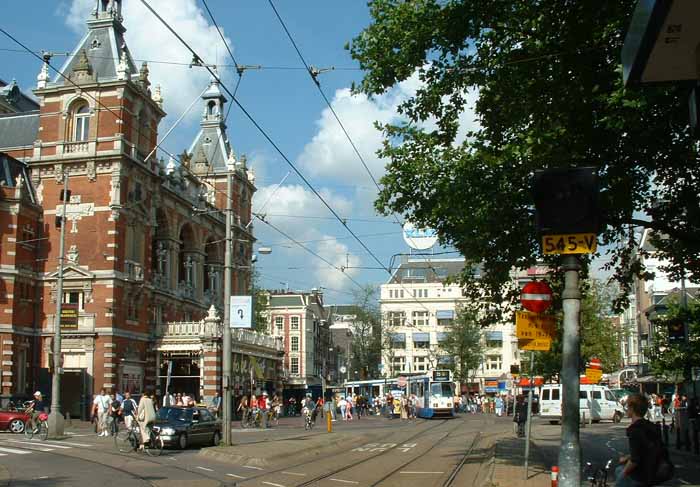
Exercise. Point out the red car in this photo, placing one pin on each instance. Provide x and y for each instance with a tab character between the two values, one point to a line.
13	421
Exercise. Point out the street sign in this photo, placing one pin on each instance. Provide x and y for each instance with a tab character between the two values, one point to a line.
241	311
538	344
594	370
529	326
574	243
536	296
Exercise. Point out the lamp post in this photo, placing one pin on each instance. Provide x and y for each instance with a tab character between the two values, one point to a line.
226	362
56	422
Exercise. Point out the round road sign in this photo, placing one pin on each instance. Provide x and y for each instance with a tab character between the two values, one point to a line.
536	296
402	381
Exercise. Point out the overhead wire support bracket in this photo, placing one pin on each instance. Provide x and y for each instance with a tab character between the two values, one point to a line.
314	72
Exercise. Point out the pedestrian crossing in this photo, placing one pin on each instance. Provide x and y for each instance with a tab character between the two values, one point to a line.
26	447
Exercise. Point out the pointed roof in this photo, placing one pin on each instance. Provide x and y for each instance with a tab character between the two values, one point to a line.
211	148
103	46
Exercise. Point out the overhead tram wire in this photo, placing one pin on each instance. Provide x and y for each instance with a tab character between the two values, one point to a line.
198	60
116	115
313	73
281	232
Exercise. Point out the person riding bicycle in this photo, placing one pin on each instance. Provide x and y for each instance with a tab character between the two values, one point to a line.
35	408
307	408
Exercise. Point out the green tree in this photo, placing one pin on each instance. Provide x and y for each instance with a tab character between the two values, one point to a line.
261	304
463	342
600	337
366	333
673	361
547	80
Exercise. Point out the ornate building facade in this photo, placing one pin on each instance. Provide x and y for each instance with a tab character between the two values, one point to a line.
144	237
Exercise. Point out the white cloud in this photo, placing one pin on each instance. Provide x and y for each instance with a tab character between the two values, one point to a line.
147	38
338	254
329	153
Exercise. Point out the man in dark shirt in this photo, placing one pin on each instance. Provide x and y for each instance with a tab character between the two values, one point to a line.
37	407
638	468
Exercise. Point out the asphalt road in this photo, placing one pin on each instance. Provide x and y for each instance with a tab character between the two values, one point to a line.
424	453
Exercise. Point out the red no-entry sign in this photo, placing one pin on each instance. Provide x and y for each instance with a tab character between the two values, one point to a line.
536	296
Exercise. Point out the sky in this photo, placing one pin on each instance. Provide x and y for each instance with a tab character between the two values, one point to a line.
282	99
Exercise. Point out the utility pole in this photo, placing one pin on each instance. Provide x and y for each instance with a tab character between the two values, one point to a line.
56	421
226	362
570	450
529	413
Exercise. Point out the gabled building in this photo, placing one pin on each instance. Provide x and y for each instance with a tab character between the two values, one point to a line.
144	237
302	320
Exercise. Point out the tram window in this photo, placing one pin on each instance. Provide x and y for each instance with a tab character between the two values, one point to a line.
441	389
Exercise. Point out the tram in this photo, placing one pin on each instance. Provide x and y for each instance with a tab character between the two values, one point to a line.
371	388
435	392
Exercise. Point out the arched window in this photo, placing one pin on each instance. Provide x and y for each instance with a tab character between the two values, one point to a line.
81	123
211	108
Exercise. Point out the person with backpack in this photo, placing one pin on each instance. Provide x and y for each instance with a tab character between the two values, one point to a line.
648	462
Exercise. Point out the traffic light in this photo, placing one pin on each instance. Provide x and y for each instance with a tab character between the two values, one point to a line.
515	369
566	200
676	330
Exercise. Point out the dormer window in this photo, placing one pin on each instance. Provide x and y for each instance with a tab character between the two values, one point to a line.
81	123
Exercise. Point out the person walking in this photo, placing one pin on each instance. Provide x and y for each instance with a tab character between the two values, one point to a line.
404	407
243	409
520	416
128	409
343	406
101	407
114	411
146	417
499	406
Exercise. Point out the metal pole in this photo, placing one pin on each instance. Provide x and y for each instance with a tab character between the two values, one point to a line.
56	422
529	414
570	450
226	362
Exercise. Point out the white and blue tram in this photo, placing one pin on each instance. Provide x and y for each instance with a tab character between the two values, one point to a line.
371	388
434	392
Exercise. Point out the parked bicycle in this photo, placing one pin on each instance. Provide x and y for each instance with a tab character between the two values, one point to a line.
598	477
40	429
128	440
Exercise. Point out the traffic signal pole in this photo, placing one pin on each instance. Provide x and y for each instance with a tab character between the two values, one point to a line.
226	346
570	450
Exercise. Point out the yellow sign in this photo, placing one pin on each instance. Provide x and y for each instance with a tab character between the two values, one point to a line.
538	344
594	375
575	243
529	326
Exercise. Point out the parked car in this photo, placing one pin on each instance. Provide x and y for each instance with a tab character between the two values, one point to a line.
13	421
596	402
182	427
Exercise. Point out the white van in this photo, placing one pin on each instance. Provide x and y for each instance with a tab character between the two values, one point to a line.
596	402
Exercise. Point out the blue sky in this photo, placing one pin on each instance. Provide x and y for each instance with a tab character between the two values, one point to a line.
285	103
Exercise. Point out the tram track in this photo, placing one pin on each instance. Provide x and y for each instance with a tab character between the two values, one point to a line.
334	456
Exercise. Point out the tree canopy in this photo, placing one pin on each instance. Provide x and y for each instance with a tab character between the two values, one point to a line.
463	343
366	347
548	85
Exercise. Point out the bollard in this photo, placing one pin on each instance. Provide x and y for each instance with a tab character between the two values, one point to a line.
555	476
329	424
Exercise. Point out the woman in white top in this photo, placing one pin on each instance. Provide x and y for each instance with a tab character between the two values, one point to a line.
146	416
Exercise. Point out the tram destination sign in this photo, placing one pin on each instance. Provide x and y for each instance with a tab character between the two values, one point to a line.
441	376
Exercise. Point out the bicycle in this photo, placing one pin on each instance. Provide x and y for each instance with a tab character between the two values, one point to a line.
129	439
598	477
41	427
272	417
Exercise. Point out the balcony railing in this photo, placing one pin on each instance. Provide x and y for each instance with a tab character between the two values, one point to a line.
75	147
253	338
133	270
208	329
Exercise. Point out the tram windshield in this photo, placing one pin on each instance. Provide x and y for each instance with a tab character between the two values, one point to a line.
442	389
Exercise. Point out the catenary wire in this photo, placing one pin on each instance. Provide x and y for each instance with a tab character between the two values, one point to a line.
198	60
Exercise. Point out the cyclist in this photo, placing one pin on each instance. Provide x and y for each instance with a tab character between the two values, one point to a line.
243	409
264	405
146	417
35	408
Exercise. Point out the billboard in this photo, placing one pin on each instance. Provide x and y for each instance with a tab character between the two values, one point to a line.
241	311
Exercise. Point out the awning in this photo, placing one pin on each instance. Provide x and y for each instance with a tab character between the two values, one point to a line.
441	336
495	336
446	314
398	337
421	337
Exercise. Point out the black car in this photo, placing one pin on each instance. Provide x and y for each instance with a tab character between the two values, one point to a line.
181	427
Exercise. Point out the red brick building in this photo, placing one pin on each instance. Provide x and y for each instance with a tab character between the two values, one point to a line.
144	242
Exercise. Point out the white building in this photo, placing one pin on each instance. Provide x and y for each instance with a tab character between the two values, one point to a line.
417	309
